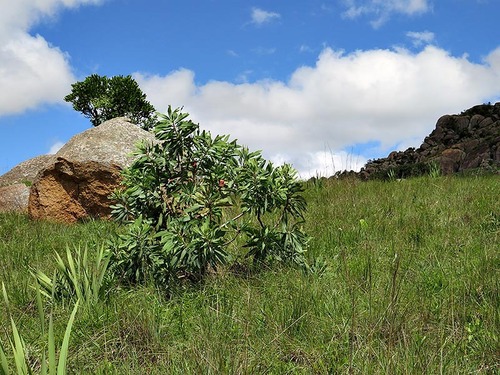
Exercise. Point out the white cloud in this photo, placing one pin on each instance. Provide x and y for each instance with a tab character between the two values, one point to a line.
386	96
422	37
383	9
324	163
55	147
260	16
175	89
31	70
22	14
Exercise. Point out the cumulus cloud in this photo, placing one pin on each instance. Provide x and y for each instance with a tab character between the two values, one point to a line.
31	70
384	97
260	16
381	10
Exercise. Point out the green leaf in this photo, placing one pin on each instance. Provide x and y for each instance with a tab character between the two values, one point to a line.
52	347
18	348
63	354
41	314
4	365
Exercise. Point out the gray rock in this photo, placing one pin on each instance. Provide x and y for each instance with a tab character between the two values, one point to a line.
111	142
14	198
15	184
25	172
475	121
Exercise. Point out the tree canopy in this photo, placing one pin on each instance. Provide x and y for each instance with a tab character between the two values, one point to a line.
100	98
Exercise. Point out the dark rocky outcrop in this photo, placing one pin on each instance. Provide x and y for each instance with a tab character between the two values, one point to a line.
468	141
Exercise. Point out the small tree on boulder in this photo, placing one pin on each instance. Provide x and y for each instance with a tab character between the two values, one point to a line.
100	98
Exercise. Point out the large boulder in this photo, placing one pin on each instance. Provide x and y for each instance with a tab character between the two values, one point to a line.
112	142
15	184
86	171
69	191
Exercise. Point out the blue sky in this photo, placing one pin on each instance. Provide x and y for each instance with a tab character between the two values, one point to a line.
323	84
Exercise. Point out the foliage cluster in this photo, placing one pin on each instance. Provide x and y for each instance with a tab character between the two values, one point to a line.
189	197
100	98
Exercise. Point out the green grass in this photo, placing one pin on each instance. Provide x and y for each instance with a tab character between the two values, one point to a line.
411	287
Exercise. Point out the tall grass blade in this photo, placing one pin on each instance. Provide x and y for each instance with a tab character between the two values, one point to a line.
85	272
43	367
76	278
4	365
63	354
5	298
41	314
43	282
72	274
101	266
18	349
52	348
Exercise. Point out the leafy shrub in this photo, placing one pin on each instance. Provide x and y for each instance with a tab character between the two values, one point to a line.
189	197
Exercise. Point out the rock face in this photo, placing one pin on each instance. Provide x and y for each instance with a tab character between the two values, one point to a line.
86	171
25	172
15	184
470	140
111	142
69	191
14	198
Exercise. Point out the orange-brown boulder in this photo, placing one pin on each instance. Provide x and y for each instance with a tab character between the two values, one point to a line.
69	191
86	170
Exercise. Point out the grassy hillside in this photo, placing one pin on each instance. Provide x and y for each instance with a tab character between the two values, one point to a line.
411	285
